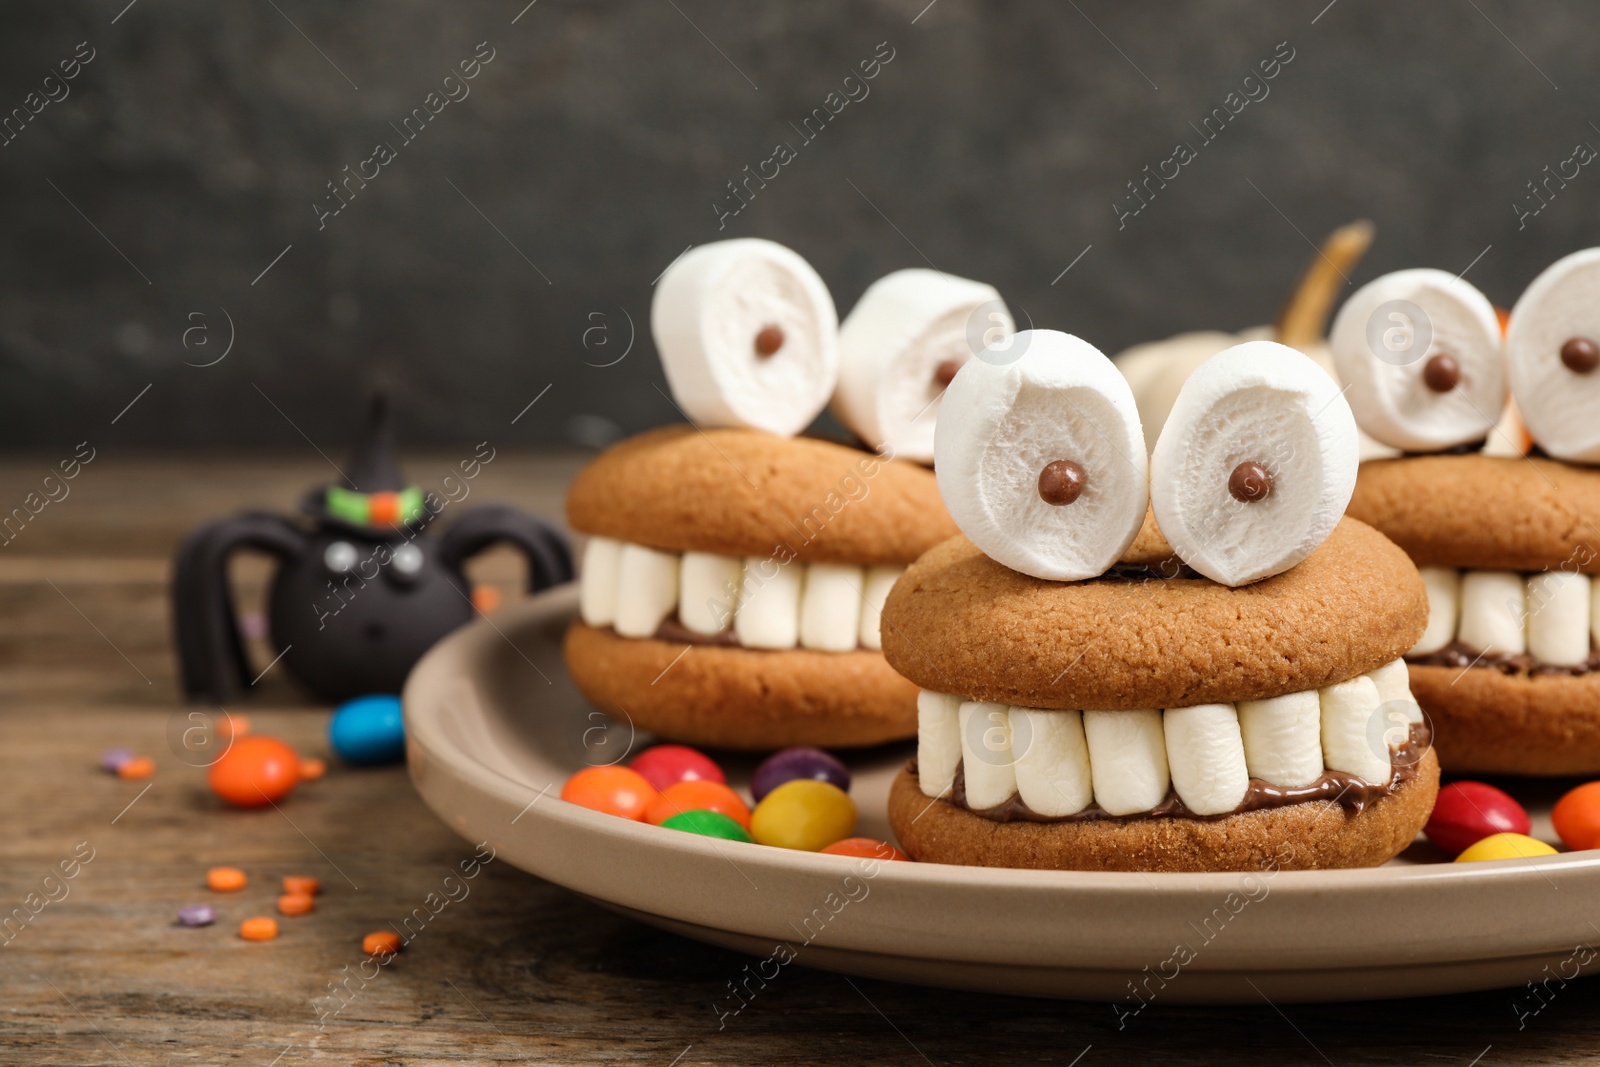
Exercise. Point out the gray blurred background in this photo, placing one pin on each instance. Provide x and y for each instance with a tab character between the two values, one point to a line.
500	256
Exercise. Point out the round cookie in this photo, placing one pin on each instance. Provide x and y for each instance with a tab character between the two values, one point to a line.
1317	834
742	698
740	492
1484	512
1488	722
958	622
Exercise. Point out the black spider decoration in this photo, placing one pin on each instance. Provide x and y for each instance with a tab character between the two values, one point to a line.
360	594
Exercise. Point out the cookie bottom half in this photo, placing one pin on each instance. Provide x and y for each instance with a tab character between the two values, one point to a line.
1486	721
742	698
1306	836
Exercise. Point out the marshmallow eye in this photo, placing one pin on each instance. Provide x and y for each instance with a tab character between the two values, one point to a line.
1420	353
1553	357
1255	464
1040	456
748	336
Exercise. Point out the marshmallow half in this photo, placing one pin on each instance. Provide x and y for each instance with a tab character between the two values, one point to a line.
1557	401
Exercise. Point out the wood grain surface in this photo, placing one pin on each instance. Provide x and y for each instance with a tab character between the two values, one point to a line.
515	971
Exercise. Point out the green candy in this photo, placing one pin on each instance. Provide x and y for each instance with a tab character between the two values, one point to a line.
707	824
347	506
410	505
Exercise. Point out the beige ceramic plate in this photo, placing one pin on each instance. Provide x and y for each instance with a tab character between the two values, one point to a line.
494	727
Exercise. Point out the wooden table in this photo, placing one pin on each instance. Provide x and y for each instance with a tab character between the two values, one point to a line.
519	970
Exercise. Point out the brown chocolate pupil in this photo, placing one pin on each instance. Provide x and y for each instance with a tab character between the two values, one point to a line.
1581	355
1250	482
1441	373
945	373
769	340
1061	482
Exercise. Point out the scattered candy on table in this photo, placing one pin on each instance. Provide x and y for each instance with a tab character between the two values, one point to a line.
312	769
300	883
296	904
865	848
226	879
112	759
666	765
137	767
382	941
368	730
804	814
255	771
697	795
197	915
1505	847
613	790
794	763
1467	812
260	928
707	824
1576	817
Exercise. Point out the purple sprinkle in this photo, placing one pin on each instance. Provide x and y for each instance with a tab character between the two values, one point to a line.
113	759
253	624
197	915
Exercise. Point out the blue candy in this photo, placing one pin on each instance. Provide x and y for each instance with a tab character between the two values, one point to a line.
368	730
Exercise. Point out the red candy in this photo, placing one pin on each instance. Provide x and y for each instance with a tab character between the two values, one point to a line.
1468	812
255	771
698	796
666	765
613	790
866	848
1576	817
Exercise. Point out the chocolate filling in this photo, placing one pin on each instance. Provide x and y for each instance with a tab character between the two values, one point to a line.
1349	792
1456	654
1468	449
676	632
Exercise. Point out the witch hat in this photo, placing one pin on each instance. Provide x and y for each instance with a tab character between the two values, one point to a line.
375	498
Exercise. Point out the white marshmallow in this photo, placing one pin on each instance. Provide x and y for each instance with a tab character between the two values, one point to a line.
938	741
1394	688
879	581
1558	405
708	309
769	604
1494	612
830	609
1265	403
1205	754
1283	738
647	590
708	591
1594	611
986	761
1353	730
1127	759
891	346
1010	412
1382	340
1444	601
1052	761
597	590
1558	617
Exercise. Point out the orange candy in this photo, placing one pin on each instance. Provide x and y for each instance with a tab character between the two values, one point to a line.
226	879
383	509
1576	817
613	790
296	904
255	771
486	598
383	941
699	794
237	725
866	848
138	767
260	928
312	769
300	883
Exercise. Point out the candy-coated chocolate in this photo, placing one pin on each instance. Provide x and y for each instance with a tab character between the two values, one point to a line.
708	824
1505	847
1468	812
312	769
368	730
613	790
226	879
380	942
866	848
137	767
255	771
804	814
1576	817
296	904
300	883
698	795
197	915
792	763
112	759
260	928
666	765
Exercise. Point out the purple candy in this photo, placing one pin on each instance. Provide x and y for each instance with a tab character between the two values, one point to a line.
197	915
112	759
792	763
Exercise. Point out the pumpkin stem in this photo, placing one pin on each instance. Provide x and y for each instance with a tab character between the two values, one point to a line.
1304	320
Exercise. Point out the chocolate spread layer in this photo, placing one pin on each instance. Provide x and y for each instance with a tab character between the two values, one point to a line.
1470	448
671	629
1456	654
1349	792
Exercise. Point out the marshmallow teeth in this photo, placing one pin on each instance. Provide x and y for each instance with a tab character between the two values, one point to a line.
1255	464
1420	352
748	336
1040	457
901	345
1553	353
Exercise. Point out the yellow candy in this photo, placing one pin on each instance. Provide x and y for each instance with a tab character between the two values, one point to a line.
1505	847
805	814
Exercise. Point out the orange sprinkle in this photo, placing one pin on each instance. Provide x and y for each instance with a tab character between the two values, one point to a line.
312	769
486	598
226	879
296	904
303	884
383	941
239	724
138	767
260	928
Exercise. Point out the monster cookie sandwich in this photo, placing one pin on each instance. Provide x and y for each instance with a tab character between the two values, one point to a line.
1507	669
1185	663
734	572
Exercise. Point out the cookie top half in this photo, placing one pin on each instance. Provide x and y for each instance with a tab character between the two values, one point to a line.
958	622
739	492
